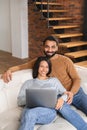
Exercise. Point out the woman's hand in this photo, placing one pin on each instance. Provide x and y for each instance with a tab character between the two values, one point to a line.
59	104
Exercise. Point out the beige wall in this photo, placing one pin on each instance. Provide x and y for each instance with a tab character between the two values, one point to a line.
5	27
14	27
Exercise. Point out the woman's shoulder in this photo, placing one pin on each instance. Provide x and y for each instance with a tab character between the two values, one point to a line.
29	81
53	79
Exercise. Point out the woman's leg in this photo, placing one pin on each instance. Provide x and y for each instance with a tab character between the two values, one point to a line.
80	101
73	117
38	115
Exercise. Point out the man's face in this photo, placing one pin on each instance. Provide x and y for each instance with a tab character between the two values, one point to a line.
50	48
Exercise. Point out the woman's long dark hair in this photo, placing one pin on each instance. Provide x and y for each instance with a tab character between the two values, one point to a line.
37	64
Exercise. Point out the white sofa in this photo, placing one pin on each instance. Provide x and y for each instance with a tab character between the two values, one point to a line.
10	113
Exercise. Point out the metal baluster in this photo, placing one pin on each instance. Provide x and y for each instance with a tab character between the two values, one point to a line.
41	10
48	25
35	9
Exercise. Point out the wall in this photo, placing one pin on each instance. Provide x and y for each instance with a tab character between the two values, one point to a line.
19	28
38	28
14	27
5	27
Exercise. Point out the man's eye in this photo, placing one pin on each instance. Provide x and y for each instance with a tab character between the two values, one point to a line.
46	46
53	47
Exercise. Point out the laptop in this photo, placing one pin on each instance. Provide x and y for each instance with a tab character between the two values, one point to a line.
41	97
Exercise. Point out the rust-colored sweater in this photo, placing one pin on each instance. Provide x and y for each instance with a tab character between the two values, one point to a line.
62	68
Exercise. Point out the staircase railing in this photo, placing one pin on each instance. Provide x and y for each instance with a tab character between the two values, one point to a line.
48	8
48	24
42	17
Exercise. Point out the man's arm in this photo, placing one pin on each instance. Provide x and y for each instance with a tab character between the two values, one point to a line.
7	76
74	77
27	65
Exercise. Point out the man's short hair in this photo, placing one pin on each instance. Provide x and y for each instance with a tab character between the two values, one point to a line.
51	38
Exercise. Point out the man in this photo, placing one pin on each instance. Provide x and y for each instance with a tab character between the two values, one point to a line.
62	68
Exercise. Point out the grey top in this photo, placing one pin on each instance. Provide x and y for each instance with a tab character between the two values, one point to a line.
50	82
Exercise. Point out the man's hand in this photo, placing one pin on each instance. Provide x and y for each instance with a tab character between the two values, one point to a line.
59	104
7	76
70	97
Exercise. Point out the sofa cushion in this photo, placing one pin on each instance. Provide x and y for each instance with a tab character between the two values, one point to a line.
10	120
7	117
11	125
13	114
82	71
57	126
3	101
8	98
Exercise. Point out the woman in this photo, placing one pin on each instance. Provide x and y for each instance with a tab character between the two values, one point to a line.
41	115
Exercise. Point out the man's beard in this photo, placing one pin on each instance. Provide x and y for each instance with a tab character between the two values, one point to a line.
49	56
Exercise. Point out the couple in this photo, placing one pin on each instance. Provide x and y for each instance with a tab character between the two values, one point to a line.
63	69
42	115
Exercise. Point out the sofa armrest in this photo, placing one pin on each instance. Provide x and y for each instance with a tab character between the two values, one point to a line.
82	71
9	91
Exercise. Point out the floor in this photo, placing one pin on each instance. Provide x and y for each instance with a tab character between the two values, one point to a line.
7	60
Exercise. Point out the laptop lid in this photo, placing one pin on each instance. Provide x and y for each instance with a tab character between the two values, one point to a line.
41	97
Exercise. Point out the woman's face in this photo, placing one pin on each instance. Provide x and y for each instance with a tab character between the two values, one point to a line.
43	69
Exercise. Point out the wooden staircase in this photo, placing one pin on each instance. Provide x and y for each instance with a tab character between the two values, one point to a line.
60	19
73	44
77	54
68	35
65	26
68	32
54	11
82	63
45	3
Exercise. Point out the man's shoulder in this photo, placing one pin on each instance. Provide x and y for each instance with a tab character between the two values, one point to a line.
63	58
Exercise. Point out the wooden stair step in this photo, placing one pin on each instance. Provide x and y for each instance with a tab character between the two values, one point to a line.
50	3
73	44
68	35
60	19
65	26
55	11
77	54
82	63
